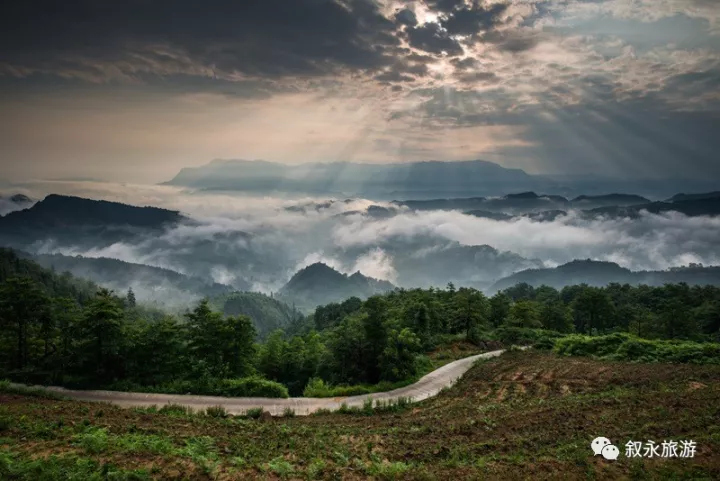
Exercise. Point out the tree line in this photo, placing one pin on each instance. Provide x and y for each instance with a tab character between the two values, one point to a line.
56	329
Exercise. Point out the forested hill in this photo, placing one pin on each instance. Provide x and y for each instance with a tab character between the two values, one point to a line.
61	210
57	285
691	206
266	312
320	284
149	283
598	273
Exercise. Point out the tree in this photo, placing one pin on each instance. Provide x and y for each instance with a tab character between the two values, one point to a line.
521	291
592	310
155	351
23	305
375	335
270	361
398	357
471	310
524	314
131	298
66	313
101	329
707	317
239	345
206	338
499	308
556	316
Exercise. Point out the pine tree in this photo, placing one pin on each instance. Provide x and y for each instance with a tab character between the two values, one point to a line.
131	302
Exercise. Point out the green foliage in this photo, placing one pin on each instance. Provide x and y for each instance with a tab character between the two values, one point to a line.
58	330
175	410
55	468
216	412
254	413
524	314
280	467
93	440
625	347
253	386
7	387
267	313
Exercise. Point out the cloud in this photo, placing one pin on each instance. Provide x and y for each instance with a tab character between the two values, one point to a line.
258	243
218	38
239	79
376	264
432	38
471	20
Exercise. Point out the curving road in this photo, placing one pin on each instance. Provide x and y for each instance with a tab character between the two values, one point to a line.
428	386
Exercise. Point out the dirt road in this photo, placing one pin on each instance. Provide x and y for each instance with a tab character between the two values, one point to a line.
428	386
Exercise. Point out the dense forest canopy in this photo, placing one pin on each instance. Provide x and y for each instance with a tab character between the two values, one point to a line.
59	329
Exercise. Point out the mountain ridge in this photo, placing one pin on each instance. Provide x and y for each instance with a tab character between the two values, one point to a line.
601	273
319	284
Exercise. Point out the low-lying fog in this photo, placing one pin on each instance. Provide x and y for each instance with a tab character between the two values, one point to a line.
260	241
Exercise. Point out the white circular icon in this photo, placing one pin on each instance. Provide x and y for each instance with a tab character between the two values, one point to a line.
598	444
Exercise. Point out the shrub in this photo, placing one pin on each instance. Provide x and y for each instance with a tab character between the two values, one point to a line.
216	412
175	410
254	413
94	440
316	387
254	386
625	347
523	335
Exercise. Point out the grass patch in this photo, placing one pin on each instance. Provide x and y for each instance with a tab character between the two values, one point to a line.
10	388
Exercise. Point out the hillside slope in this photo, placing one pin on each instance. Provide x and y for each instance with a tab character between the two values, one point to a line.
523	415
149	283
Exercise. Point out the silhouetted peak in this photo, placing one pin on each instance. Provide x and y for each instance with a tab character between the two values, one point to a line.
522	195
58	209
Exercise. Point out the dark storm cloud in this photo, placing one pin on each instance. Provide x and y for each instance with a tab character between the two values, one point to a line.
444	5
406	17
253	37
471	20
465	63
432	38
512	41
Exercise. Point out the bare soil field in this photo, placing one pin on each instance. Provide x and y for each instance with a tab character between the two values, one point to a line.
523	415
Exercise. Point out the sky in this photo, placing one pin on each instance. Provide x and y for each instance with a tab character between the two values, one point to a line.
135	90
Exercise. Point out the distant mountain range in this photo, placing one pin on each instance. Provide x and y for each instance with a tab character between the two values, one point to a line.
408	180
419	179
692	206
599	273
319	284
524	202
